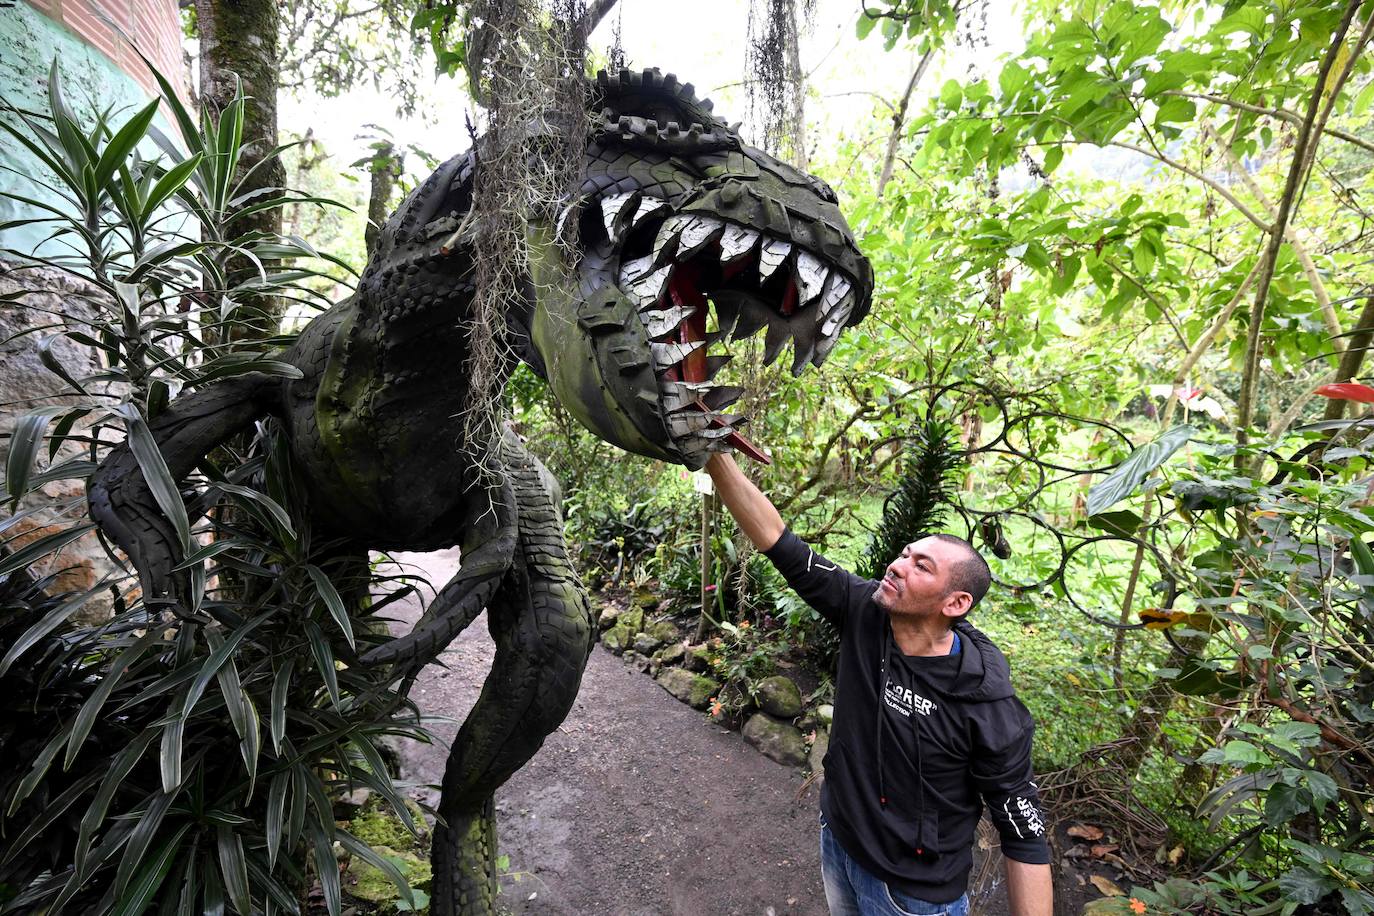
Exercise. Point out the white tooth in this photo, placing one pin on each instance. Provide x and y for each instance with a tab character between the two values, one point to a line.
837	290
688	423
672	227
811	275
696	234
658	323
612	209
832	324
670	354
646	206
736	242
631	271
676	396
690	392
564	215
823	348
771	257
648	288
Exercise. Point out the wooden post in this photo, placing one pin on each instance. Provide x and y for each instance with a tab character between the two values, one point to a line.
707	500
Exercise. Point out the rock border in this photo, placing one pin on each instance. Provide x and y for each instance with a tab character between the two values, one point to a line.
774	726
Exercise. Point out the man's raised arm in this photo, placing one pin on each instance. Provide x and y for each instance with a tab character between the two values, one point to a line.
756	516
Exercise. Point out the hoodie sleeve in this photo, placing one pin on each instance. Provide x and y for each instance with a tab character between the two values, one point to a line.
1002	772
824	585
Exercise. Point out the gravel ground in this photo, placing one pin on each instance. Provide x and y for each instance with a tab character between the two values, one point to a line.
636	805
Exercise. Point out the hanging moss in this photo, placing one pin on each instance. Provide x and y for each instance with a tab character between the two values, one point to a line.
776	83
526	62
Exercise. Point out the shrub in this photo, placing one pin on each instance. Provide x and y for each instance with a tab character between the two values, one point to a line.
190	757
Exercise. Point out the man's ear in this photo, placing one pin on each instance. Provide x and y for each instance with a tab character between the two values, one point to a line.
957	604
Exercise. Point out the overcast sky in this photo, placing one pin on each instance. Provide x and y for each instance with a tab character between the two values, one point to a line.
703	42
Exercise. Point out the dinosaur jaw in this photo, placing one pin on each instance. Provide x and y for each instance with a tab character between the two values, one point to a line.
699	282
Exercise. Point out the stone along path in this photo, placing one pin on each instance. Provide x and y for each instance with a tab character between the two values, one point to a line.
637	805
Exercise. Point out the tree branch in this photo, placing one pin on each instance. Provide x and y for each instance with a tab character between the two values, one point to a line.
1350	364
1309	268
1281	114
1352	357
592	18
1192	173
1268	261
899	120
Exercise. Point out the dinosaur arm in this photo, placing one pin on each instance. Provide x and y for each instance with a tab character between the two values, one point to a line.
122	503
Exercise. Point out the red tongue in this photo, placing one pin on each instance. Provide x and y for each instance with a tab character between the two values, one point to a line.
683	291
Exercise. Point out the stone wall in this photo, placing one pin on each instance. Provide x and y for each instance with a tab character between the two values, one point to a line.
25	383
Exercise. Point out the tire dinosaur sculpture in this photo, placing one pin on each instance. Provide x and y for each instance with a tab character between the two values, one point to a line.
675	212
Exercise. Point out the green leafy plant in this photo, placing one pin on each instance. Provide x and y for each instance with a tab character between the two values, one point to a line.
916	506
186	759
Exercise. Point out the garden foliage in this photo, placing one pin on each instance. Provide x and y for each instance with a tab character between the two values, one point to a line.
1122	263
180	760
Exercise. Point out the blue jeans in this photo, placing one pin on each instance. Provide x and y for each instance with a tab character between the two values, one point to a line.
852	890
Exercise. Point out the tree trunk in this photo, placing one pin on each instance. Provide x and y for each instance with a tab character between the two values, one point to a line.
238	38
1352	357
385	169
797	79
894	139
1143	728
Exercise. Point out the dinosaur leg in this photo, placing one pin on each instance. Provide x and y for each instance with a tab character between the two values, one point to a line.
542	626
122	503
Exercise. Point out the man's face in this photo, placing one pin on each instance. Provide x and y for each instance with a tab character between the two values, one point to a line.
917	582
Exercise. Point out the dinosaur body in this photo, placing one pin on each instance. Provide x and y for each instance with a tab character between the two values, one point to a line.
689	239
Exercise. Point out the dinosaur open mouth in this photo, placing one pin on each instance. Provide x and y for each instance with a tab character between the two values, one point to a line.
699	281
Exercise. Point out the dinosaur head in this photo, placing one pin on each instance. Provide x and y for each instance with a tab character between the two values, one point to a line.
688	239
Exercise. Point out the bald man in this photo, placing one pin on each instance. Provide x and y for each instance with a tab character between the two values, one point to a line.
927	729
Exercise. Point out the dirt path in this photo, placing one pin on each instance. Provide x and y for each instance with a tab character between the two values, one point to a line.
637	805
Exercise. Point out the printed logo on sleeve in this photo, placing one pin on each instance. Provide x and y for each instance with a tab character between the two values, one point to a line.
1025	815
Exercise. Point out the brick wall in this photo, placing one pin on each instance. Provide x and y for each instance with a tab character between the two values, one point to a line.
152	26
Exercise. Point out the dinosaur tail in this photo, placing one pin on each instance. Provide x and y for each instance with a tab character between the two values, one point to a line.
121	501
464	858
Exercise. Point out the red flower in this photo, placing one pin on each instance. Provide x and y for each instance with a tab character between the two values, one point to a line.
1348	391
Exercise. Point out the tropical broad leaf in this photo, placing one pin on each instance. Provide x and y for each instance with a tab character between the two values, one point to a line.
1123	522
1129	474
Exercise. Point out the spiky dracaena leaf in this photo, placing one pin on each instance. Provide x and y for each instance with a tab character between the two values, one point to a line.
917	505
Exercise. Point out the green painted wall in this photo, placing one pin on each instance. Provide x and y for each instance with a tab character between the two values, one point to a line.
29	41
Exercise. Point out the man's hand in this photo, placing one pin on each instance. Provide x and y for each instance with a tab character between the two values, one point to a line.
1030	889
756	516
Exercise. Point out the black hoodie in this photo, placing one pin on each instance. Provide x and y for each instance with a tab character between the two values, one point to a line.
906	778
